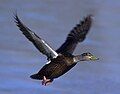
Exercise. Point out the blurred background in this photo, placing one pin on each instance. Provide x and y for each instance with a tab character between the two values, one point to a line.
52	20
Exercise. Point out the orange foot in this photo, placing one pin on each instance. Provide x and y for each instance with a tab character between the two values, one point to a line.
46	81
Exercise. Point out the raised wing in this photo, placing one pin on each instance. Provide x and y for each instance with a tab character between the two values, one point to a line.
39	43
78	34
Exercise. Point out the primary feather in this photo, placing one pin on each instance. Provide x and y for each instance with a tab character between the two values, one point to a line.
39	43
77	34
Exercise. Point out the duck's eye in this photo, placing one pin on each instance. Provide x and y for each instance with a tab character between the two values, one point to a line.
85	54
89	54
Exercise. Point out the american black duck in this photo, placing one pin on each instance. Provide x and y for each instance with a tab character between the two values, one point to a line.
61	60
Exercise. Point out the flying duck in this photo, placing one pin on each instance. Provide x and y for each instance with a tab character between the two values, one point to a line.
61	60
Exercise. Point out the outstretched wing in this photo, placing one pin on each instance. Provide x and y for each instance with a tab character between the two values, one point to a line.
39	43
78	34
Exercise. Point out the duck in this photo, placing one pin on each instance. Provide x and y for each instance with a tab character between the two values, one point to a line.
61	60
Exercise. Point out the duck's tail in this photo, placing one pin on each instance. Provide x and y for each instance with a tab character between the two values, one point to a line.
35	76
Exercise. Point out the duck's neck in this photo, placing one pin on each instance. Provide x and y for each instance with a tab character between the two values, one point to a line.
78	58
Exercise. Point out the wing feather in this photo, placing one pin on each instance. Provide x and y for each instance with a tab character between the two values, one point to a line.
39	43
77	34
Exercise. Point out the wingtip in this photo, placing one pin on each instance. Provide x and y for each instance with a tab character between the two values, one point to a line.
16	18
15	14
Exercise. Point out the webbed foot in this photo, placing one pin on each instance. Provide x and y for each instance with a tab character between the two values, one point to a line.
46	81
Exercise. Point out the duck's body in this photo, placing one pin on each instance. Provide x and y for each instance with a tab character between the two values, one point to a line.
61	60
57	67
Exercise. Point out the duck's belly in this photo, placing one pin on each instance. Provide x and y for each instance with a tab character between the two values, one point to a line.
55	69
52	70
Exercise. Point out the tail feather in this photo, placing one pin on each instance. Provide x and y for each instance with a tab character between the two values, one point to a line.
35	76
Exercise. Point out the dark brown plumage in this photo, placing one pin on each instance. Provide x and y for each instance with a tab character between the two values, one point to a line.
56	68
76	35
39	43
61	60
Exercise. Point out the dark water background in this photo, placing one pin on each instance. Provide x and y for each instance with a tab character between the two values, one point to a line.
52	20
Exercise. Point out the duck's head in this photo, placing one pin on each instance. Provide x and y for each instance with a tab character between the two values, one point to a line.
88	57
